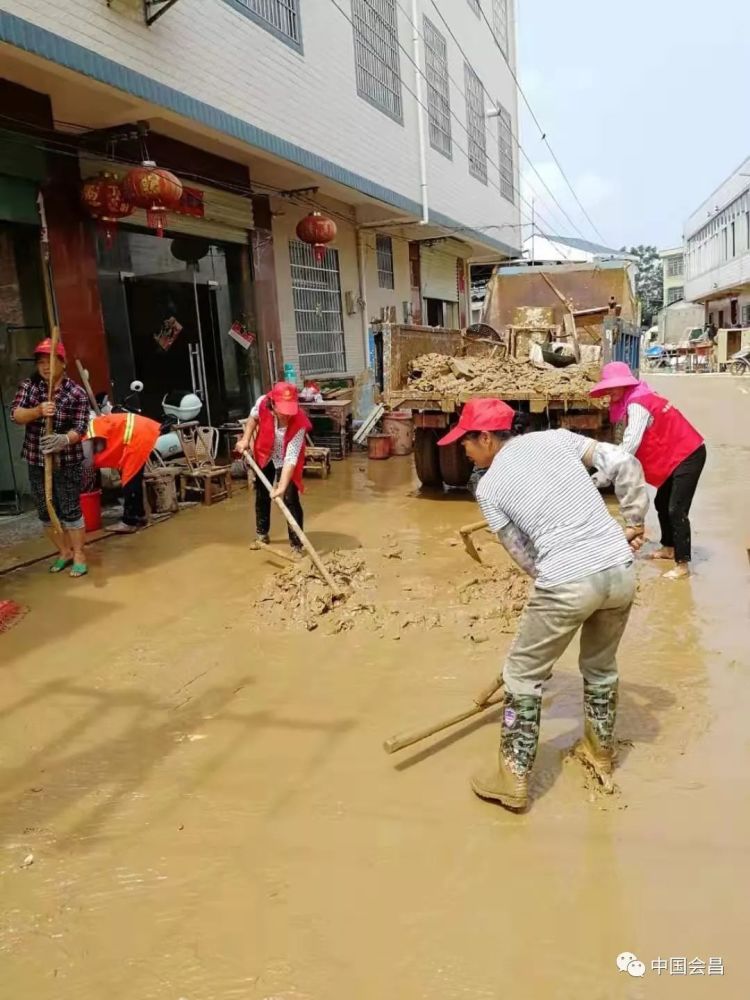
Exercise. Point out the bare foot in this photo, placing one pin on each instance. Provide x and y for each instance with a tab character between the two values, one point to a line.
662	553
680	571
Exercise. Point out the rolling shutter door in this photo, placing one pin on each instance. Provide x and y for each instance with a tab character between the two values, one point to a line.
439	276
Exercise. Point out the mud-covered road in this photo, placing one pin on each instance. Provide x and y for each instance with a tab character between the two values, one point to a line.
194	802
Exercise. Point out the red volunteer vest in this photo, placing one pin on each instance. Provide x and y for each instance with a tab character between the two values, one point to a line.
667	442
263	448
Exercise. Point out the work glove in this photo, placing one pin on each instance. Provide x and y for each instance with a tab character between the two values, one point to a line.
52	443
600	481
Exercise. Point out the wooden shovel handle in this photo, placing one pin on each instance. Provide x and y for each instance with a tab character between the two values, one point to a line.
337	592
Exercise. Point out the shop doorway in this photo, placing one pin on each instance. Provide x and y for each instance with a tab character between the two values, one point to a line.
173	308
174	328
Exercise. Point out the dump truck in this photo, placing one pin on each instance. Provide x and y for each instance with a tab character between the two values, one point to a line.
592	312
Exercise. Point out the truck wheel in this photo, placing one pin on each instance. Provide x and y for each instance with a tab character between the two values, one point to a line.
426	457
455	468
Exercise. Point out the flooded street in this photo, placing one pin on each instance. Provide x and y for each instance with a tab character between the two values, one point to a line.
196	806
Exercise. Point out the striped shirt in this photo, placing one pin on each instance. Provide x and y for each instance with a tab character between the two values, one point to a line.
639	420
539	483
279	457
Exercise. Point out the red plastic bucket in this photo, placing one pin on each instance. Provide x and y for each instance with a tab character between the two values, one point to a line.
91	508
379	446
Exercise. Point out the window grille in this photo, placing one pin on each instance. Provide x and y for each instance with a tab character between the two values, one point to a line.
438	92
282	16
318	317
384	254
376	54
505	150
500	23
475	125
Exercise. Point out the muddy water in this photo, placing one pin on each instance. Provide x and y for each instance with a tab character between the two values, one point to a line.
211	817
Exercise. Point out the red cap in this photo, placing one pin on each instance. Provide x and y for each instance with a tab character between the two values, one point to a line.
285	401
45	347
481	415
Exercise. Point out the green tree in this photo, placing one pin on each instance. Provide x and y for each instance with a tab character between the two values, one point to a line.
649	284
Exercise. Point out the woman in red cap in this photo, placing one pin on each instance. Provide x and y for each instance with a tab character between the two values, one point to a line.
538	498
279	449
69	408
669	448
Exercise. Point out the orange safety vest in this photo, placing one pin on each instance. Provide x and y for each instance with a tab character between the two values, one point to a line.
130	439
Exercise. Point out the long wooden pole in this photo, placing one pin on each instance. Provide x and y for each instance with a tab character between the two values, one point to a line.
482	702
49	460
295	528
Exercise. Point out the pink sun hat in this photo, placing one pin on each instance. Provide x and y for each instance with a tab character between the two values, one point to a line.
615	375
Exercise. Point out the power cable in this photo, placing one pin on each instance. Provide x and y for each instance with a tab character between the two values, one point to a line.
542	133
514	136
408	89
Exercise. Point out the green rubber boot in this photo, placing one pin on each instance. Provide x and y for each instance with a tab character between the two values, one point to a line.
519	738
597	748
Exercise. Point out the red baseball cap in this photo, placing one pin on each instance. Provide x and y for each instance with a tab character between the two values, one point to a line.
285	400
481	415
45	347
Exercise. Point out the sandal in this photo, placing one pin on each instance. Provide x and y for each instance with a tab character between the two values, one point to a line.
78	569
60	564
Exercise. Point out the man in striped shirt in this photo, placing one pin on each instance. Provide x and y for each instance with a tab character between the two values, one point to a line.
537	496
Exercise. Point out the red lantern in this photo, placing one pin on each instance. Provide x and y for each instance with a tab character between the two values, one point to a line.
103	199
156	190
318	230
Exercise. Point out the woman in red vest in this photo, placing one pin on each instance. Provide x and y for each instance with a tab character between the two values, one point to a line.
279	449
669	448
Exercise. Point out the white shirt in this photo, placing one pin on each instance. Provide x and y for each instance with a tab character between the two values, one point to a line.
539	483
278	456
639	420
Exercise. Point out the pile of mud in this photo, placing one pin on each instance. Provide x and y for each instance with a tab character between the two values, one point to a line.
378	597
439	373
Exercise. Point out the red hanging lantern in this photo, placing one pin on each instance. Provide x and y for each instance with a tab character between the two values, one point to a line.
318	230
155	189
103	199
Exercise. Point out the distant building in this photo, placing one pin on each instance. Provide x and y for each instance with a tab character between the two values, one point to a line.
673	270
568	250
717	240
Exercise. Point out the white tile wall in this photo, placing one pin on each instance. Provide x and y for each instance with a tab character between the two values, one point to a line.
208	50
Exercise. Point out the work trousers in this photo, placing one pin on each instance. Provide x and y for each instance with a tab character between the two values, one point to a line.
673	500
598	605
134	512
263	505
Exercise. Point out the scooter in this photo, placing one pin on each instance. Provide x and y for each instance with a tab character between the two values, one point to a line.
740	362
178	408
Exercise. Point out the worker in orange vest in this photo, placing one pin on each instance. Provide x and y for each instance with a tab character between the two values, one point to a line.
124	441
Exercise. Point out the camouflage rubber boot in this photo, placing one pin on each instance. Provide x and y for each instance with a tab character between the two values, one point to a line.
597	748
519	738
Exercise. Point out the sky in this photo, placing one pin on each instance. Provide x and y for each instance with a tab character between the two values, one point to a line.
645	103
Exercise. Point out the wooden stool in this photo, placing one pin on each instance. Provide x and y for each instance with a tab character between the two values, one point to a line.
214	483
318	460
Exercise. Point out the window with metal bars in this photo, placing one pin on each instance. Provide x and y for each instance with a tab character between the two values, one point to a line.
505	152
500	23
280	17
384	254
318	316
376	55
675	266
475	124
438	92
